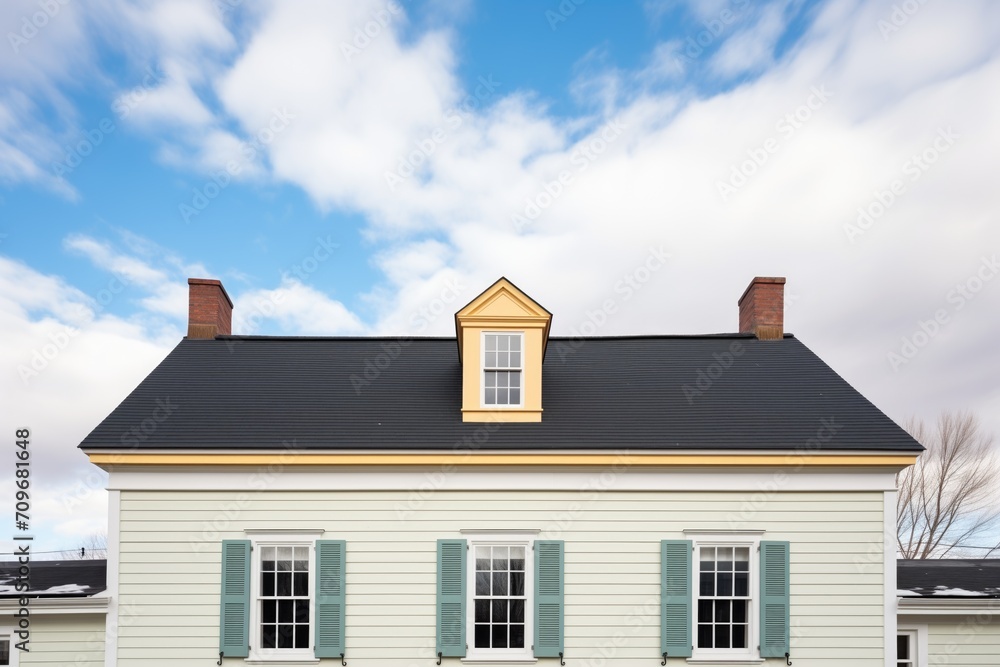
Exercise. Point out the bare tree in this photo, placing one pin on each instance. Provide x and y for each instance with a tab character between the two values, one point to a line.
94	547
950	495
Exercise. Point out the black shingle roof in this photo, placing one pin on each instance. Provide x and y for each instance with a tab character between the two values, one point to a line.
949	578
56	578
598	393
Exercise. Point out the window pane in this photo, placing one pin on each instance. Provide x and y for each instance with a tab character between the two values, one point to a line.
725	584
515	396
739	611
269	611
285	611
268	636
267	559
903	647
499	583
517	611
515	359
301	582
284	587
724	559
704	636
742	584
515	342
491	397
267	583
491	360
503	342
4	651
301	636
499	611
500	558
491	379
704	611
499	636
707	584
739	636
722	636
517	636
302	611
482	611
721	611
491	342
482	636
517	558
284	558
517	583
286	637
482	583
503	359
502	397
482	558
742	557
707	559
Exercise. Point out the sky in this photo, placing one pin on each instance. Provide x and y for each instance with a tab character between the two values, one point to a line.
369	167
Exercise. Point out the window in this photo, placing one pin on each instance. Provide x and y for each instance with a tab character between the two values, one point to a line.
282	597
499	598
282	586
723	597
502	366
911	646
499	615
8	652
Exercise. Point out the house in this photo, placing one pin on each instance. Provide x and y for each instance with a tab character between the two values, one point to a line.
500	496
65	605
949	612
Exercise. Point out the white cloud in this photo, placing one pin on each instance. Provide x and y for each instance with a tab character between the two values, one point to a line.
297	309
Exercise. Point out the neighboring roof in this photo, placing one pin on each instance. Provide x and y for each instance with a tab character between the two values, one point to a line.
56	578
948	578
598	393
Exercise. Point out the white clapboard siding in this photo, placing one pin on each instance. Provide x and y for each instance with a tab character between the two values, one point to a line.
75	640
170	570
965	641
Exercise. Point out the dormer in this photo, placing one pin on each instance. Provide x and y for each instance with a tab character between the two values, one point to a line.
502	335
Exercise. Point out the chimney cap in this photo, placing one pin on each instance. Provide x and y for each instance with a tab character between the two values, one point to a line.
771	280
211	281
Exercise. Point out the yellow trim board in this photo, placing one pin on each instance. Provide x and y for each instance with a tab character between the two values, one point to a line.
471	459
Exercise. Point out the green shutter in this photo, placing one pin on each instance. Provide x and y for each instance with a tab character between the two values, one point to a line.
774	591
234	607
675	598
330	563
548	598
451	598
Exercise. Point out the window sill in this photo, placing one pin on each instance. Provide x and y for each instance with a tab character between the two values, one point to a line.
706	660
284	661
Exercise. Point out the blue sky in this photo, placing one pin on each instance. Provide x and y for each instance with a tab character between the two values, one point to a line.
341	166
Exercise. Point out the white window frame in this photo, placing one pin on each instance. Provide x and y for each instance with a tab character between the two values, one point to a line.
482	371
525	654
918	642
9	633
271	539
746	540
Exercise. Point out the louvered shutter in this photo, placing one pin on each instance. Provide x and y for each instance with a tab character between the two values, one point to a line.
234	606
774	599
451	598
548	598
675	598
330	567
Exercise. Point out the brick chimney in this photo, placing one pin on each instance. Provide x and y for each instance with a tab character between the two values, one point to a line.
210	310
762	308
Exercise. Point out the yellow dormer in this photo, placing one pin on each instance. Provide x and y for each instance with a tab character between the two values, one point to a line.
502	335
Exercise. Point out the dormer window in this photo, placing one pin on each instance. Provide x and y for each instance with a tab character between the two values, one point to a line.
502	369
